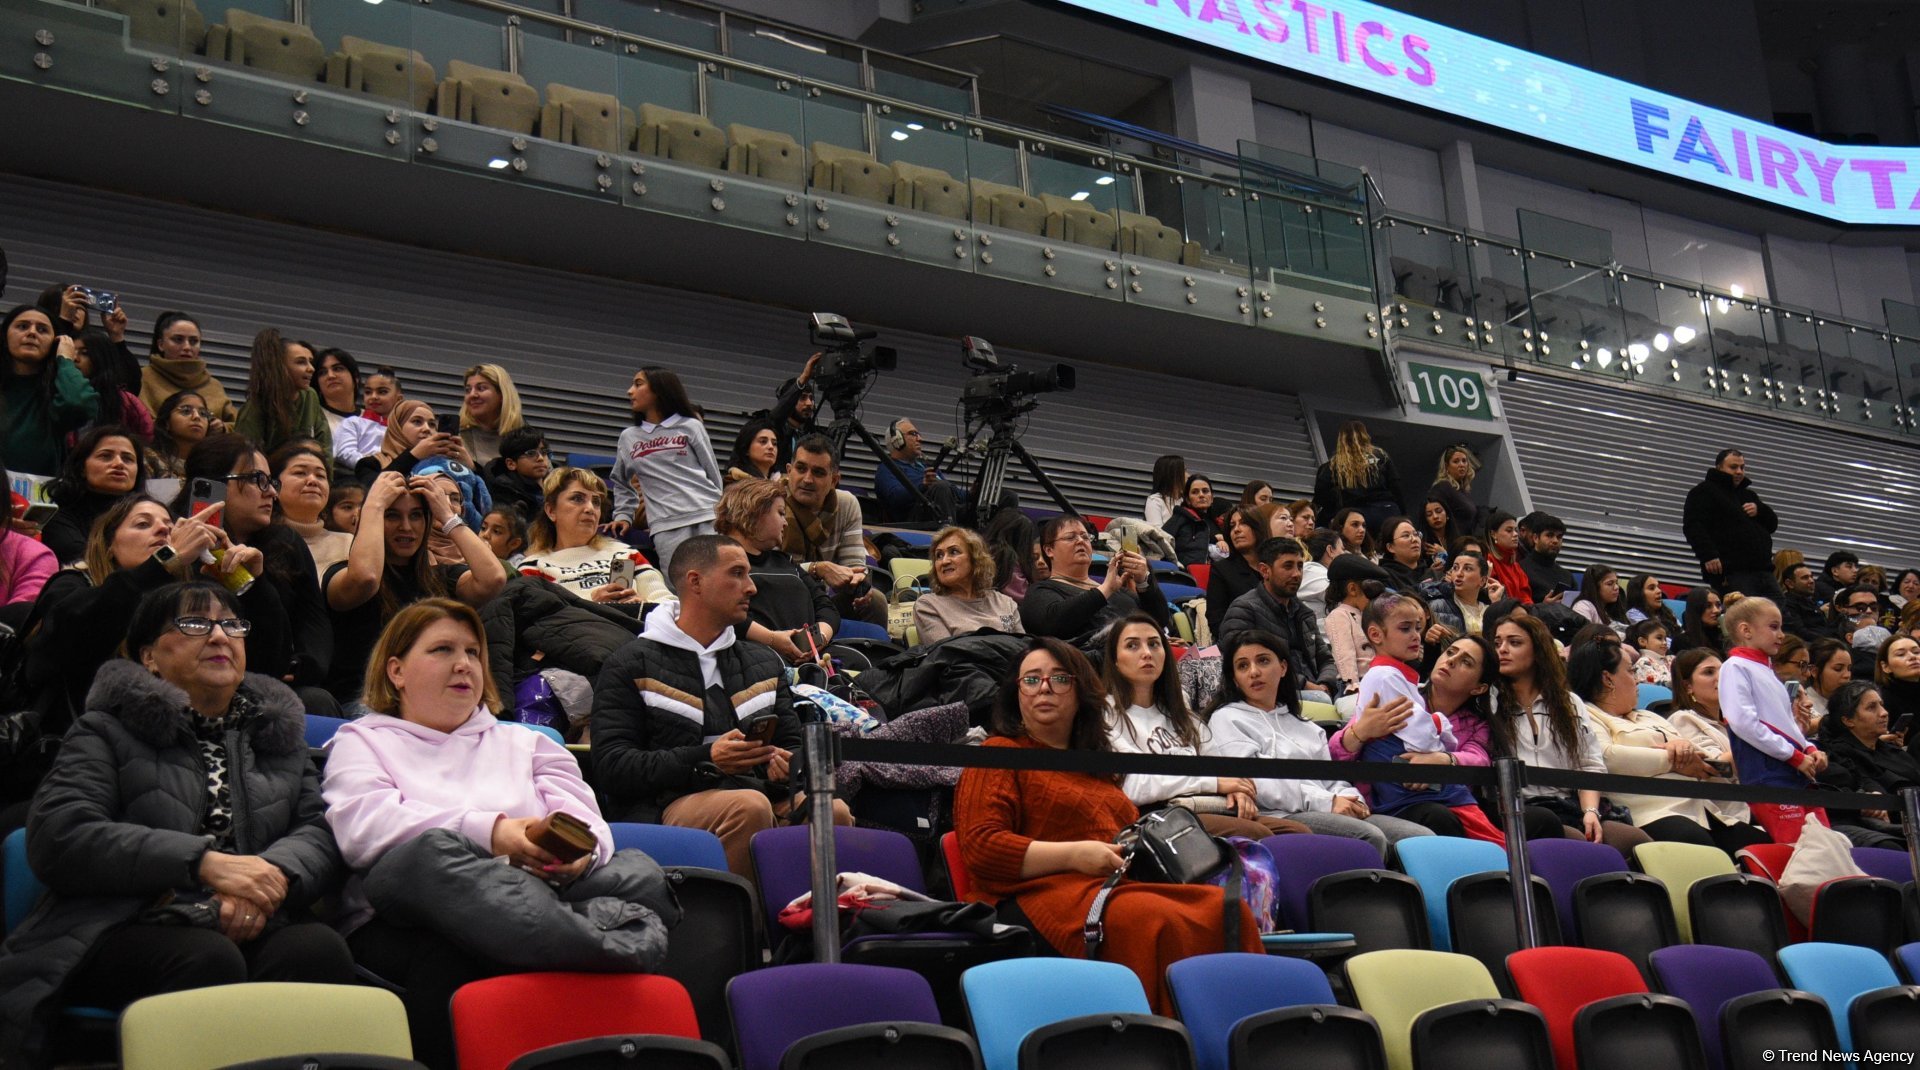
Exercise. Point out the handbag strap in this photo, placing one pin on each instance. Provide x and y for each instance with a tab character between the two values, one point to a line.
1095	929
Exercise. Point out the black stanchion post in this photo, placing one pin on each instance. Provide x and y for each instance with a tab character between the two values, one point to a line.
826	898
1910	802
1513	806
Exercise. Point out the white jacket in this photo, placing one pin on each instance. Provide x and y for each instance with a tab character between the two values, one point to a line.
1147	730
1240	731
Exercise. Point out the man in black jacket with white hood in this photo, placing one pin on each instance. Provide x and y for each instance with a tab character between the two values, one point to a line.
1731	529
670	706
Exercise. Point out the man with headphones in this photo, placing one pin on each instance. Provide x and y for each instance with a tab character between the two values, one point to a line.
897	501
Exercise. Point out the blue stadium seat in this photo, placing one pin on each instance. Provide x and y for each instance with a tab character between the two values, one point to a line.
1224	997
22	887
671	845
1839	974
860	629
1653	695
1180	592
1436	862
545	730
320	728
1908	957
1018	1006
919	540
1677	607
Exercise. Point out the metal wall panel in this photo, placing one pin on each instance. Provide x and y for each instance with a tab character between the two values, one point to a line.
1617	465
572	341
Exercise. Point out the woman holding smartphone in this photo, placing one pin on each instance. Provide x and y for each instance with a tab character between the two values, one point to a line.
564	545
413	434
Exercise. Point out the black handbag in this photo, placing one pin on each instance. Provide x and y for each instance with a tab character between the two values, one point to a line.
1170	846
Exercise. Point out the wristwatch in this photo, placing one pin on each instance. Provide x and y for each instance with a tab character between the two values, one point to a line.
165	555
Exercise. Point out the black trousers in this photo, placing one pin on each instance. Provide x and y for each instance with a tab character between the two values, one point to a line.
1729	838
145	960
431	969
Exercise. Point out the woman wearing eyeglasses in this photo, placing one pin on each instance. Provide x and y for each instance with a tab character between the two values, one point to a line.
181	832
292	635
1040	844
179	424
1070	604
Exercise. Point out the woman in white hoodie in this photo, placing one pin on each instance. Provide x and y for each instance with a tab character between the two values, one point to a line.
1257	719
430	791
1147	714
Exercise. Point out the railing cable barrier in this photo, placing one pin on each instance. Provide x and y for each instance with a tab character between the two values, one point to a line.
1508	778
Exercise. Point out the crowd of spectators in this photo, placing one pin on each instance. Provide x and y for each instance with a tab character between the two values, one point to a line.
213	575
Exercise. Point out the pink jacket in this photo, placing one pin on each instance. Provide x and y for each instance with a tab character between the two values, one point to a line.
1469	733
390	780
25	567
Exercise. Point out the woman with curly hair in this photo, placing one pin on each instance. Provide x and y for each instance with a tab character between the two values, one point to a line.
963	598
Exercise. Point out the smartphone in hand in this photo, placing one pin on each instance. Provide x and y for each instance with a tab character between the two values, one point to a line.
447	423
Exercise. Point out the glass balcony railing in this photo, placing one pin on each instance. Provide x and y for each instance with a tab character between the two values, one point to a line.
1485	295
753	125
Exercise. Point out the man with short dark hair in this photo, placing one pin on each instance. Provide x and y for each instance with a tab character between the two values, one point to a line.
1731	529
824	534
1799	613
1275	606
1854	610
670	707
1843	570
794	407
1541	562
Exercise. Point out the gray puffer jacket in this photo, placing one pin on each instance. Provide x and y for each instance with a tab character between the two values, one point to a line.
116	825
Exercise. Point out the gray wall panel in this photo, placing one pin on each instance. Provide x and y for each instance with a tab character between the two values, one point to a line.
572	341
1617	466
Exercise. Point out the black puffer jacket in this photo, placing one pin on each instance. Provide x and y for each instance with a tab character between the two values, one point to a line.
1717	525
1310	657
966	668
535	624
651	719
117	824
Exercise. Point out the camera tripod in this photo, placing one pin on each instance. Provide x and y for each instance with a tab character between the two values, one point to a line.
1002	445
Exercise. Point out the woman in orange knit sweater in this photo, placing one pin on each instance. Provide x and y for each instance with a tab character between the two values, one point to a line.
1045	839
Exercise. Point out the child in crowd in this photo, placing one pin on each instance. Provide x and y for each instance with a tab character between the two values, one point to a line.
1651	663
1396	625
505	533
361	436
1769	747
343	506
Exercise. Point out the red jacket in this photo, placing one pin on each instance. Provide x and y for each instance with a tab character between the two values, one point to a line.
1511	576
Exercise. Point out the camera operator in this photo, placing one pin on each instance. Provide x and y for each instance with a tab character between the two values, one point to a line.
824	532
794	407
897	501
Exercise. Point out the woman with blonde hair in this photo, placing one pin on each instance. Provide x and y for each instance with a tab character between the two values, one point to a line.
490	409
1453	487
564	544
432	799
963	598
1360	476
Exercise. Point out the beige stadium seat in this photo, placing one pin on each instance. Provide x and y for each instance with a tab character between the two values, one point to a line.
284	48
930	190
851	173
682	136
1143	235
382	71
168	23
502	100
1078	222
767	154
1008	207
585	118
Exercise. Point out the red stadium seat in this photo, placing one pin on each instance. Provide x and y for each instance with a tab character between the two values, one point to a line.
1561	980
502	1018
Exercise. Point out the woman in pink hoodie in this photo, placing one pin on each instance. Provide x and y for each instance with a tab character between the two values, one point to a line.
441	812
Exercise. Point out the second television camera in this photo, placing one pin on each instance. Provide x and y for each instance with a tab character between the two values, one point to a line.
1003	391
844	366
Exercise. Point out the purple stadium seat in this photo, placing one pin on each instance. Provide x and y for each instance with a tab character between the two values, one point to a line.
776	1007
1563	864
1884	863
1301	860
1707	977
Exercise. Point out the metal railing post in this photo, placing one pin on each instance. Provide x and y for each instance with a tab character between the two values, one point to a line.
826	897
1910	802
1513	806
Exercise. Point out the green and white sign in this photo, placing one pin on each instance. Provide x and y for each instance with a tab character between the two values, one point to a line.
1448	391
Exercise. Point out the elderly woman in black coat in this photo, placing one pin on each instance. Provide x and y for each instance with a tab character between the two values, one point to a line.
181	833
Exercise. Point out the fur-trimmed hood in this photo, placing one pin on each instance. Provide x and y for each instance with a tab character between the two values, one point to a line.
157	711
